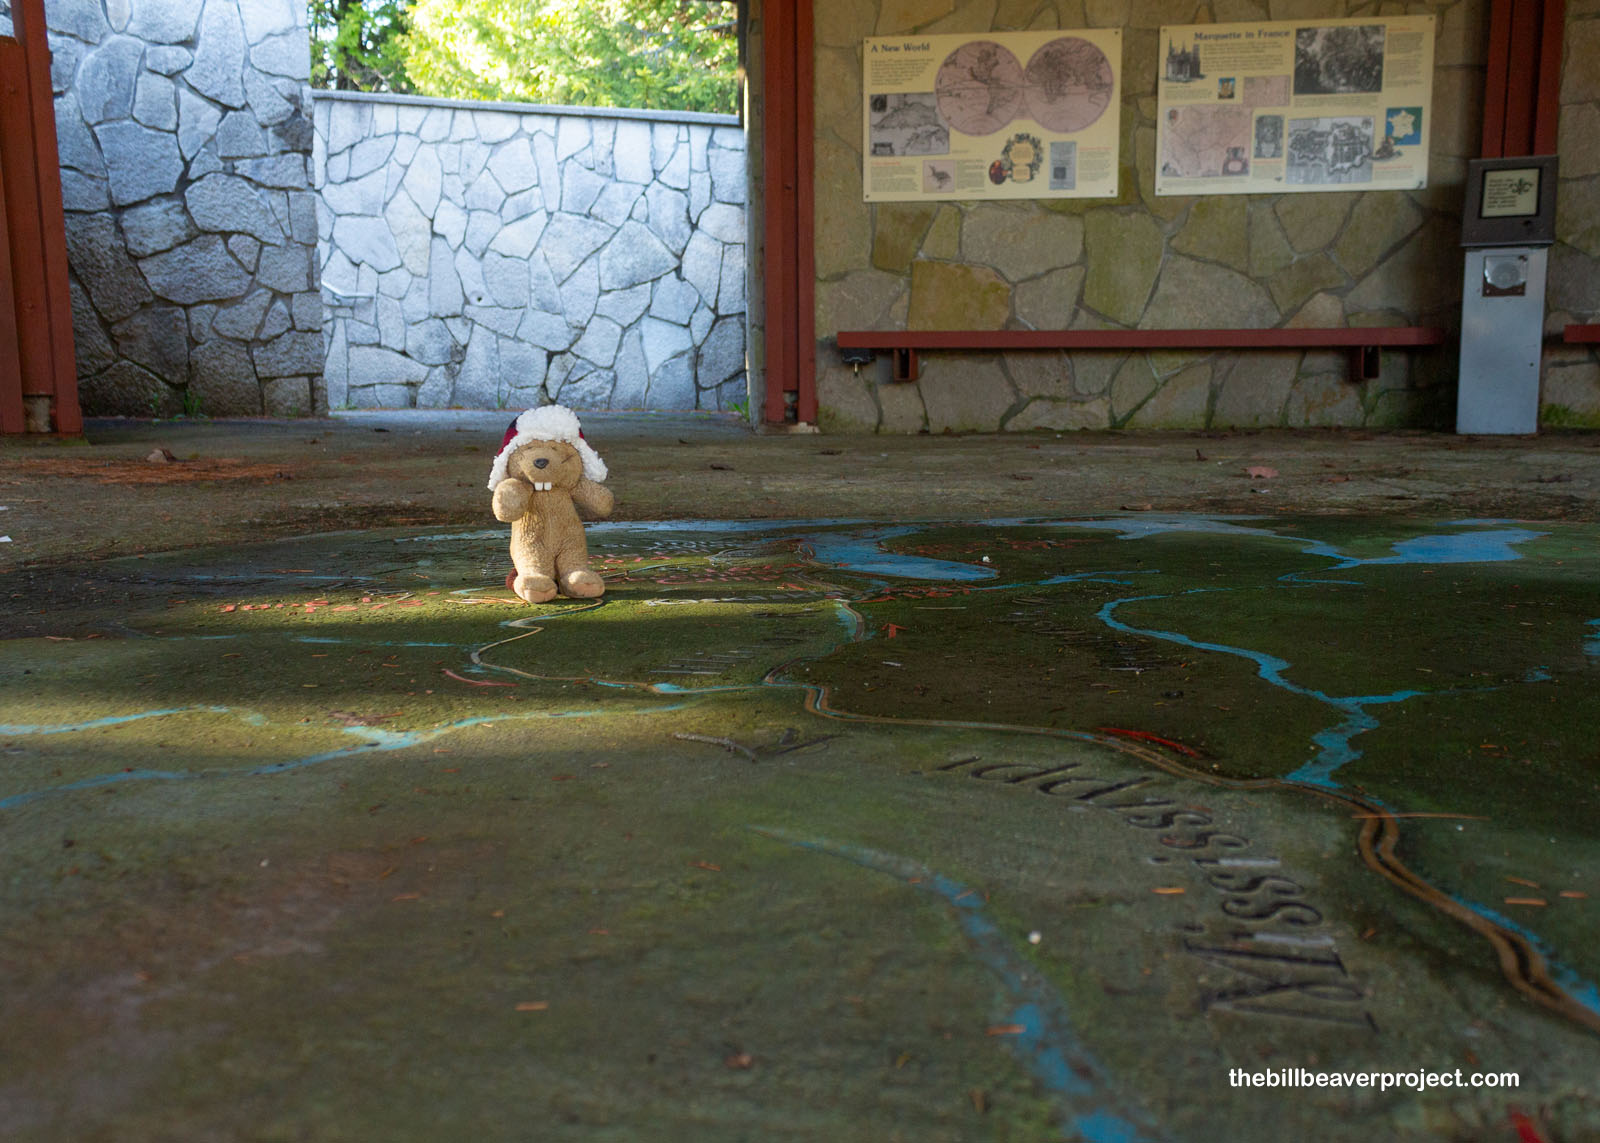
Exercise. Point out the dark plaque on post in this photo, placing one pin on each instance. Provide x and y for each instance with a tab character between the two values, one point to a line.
1510	202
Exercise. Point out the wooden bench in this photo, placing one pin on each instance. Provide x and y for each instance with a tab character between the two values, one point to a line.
1581	334
1364	344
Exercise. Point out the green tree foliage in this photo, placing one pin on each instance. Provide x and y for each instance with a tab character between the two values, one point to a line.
668	54
358	45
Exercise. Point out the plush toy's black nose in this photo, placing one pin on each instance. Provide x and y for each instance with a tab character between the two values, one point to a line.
541	463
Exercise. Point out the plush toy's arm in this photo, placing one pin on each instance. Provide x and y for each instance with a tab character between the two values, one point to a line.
595	499
511	499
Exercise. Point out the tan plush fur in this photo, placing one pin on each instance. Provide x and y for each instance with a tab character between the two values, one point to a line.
547	542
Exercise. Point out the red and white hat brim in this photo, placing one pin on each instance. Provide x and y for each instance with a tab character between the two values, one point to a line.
546	423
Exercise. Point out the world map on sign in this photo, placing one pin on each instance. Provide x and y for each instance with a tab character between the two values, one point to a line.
1001	115
979	88
1069	84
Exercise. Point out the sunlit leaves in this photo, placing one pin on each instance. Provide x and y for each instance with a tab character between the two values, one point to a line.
670	54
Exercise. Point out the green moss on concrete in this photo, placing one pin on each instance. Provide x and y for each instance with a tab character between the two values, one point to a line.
1561	417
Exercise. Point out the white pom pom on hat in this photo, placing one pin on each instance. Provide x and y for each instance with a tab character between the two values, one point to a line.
546	423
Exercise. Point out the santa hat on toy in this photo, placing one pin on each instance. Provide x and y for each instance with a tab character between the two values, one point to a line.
547	423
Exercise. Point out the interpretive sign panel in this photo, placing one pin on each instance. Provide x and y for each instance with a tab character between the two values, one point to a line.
993	116
1294	106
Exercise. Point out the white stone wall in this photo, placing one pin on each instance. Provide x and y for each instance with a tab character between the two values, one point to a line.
185	139
504	255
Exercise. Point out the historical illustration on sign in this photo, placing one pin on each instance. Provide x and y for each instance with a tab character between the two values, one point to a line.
1005	115
1294	106
1339	60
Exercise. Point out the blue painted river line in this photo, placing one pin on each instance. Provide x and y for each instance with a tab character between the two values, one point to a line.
1046	1041
1334	748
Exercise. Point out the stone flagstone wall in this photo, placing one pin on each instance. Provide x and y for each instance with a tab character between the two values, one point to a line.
185	141
1570	395
1139	261
503	255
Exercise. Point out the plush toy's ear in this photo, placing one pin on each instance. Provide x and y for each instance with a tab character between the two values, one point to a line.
501	458
593	467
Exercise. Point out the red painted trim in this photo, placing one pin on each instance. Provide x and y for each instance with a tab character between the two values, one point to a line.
1547	111
1520	82
1581	334
805	263
1494	87
1091	339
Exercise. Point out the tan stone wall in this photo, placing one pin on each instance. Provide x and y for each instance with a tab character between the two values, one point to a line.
1333	259
1571	392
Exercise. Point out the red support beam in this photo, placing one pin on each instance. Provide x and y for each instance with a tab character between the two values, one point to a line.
61	378
789	228
11	414
1547	110
1522	88
1523	80
23	233
777	155
805	216
1494	88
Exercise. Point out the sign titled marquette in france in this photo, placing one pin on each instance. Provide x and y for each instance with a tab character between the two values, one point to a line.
1295	105
994	115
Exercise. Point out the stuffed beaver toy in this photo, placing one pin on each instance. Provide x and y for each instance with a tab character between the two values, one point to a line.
545	471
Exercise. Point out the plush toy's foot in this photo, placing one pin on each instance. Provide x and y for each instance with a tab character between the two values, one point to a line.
534	588
582	584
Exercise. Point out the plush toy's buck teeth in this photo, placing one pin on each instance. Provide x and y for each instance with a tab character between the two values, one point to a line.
545	487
